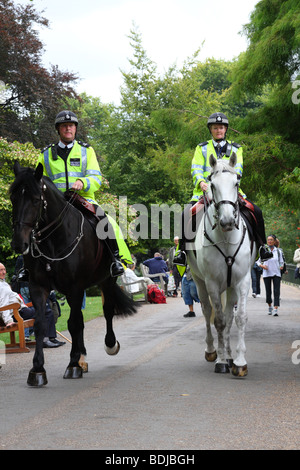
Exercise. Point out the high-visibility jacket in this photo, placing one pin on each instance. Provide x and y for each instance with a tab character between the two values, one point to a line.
200	164
81	164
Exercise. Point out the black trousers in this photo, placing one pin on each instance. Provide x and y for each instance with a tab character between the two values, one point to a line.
275	281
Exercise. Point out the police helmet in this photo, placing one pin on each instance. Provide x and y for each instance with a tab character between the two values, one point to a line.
217	118
66	116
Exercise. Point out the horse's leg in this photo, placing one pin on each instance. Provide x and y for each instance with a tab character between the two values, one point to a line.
239	368
220	323
37	375
111	345
75	327
228	312
210	351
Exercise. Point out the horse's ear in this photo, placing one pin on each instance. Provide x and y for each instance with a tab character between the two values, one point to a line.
233	159
212	160
38	172
17	167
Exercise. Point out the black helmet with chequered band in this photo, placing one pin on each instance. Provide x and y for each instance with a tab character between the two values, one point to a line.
66	116
217	118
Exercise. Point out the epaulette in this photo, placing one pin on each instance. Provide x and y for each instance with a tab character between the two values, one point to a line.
203	143
83	144
47	147
236	145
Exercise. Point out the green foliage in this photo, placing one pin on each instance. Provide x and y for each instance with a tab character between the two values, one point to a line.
27	155
283	222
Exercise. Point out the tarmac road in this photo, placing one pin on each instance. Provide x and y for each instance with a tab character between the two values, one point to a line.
159	392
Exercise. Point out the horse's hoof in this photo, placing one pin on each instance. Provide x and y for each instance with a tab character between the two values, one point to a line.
230	363
114	350
73	373
239	371
221	368
37	379
211	357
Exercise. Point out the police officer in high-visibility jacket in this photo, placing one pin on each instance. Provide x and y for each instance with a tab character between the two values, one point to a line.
222	149
71	164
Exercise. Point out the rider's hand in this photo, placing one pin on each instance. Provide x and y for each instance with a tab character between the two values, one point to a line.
203	186
78	185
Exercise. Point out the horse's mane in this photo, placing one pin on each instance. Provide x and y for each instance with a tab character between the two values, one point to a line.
26	179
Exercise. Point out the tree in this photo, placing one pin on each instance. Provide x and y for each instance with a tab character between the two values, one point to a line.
32	95
272	60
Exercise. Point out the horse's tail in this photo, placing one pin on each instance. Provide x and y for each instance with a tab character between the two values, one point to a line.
123	304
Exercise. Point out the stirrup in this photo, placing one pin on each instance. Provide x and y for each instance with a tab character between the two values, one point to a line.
116	269
180	258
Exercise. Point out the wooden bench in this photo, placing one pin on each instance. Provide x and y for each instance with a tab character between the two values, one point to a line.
14	346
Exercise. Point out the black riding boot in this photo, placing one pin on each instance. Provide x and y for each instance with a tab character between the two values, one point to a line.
116	268
180	256
260	235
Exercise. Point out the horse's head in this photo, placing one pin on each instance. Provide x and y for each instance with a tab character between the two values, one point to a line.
224	188
26	197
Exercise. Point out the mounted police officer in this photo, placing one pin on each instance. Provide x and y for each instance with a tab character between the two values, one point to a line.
72	164
221	149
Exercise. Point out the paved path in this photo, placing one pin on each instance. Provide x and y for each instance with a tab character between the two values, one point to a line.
159	392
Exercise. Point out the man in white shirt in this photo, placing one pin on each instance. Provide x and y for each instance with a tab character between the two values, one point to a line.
130	276
7	296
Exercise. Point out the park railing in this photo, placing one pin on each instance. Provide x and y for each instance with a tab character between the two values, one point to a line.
290	275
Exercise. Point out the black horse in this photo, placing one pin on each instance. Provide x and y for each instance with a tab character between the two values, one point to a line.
61	251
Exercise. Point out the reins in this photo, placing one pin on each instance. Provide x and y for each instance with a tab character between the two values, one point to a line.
36	233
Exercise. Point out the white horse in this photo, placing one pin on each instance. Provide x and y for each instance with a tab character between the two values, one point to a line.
221	264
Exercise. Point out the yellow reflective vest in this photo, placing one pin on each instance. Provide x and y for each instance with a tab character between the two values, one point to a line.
81	164
200	164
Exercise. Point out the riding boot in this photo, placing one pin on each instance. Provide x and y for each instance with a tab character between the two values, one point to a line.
180	256
116	268
260	234
265	253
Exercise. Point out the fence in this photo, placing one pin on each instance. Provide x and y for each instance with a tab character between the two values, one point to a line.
290	275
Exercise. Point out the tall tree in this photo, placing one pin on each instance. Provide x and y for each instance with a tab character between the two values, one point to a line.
32	95
272	60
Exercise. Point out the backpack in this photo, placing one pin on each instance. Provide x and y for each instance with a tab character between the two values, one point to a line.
155	295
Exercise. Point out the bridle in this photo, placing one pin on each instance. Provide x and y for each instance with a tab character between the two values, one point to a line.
36	233
229	260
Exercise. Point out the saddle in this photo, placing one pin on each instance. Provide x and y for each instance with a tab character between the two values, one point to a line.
79	202
88	210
